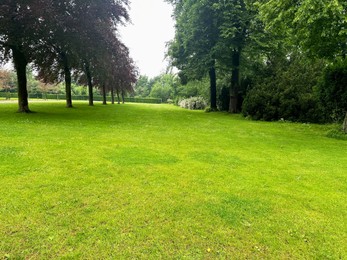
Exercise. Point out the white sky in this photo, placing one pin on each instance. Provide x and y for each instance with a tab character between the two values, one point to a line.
152	26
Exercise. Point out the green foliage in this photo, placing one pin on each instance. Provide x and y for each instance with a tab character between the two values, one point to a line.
289	92
333	90
161	91
79	90
197	33
32	83
8	81
143	86
223	98
168	87
316	29
165	87
211	36
319	27
195	88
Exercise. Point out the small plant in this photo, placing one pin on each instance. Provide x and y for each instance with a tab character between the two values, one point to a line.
193	103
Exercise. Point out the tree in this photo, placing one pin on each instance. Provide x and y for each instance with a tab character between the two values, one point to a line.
234	28
318	27
18	21
58	36
333	90
79	36
143	86
8	82
211	36
280	95
165	87
193	49
119	73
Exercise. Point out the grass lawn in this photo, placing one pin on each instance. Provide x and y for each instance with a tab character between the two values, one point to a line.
157	181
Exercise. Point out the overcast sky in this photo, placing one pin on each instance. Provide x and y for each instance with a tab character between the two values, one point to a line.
152	26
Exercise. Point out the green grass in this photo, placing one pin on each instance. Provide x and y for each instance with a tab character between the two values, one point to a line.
157	181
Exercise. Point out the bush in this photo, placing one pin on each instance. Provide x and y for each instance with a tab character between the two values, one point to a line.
290	93
193	103
333	90
272	103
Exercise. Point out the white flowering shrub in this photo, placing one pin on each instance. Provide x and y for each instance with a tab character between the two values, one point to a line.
193	103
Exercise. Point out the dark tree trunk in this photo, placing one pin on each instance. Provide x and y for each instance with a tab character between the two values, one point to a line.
104	100
123	101
344	127
235	82
112	96
118	97
67	72
213	87
20	63
90	85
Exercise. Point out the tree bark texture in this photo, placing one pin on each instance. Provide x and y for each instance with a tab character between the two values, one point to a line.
112	96
104	100
344	127
90	85
67	73
20	63
235	82
118	97
213	87
123	101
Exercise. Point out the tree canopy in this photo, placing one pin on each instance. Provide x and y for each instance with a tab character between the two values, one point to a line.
258	47
64	37
319	27
193	49
210	35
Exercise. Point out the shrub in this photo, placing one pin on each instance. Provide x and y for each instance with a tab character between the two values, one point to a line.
193	103
289	93
333	90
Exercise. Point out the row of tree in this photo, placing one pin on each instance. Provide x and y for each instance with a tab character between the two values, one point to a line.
234	40
65	40
37	88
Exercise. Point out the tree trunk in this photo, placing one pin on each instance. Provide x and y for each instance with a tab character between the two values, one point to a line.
112	96
123	97
235	82
344	127
213	87
90	85
67	72
104	101
118	97
20	63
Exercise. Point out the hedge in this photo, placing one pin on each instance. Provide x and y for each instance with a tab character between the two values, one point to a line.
74	97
